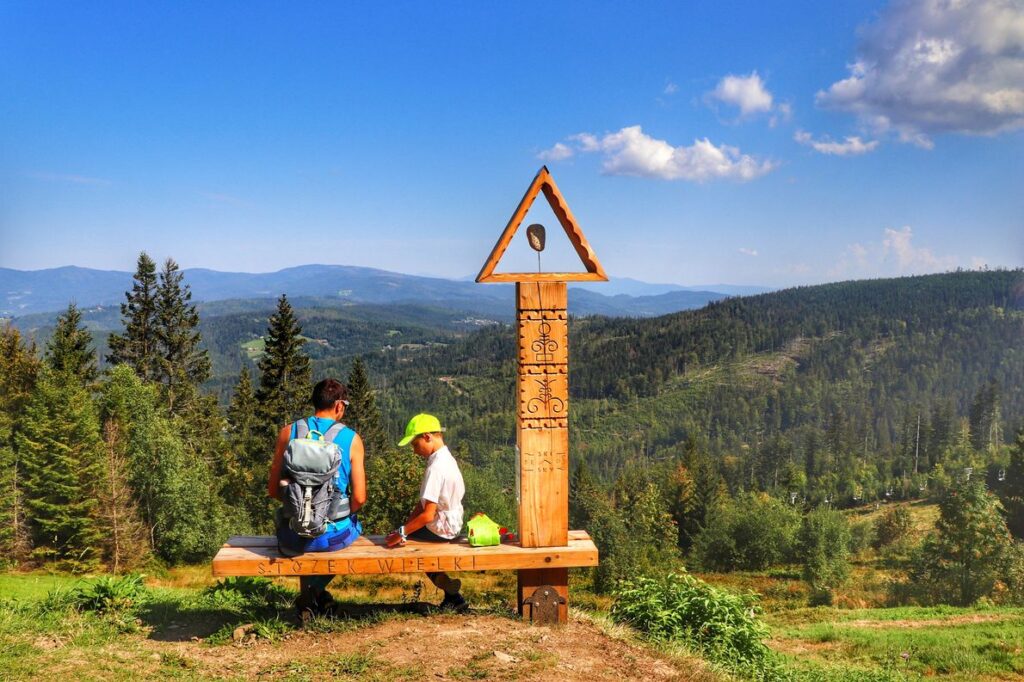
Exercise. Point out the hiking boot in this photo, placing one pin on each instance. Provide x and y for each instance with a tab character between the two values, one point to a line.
448	585
311	605
454	602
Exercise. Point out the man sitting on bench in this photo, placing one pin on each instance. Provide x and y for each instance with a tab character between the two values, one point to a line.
437	516
341	527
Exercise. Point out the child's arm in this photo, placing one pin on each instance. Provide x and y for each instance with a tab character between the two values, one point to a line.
422	514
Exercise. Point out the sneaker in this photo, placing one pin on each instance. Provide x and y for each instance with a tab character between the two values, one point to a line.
454	602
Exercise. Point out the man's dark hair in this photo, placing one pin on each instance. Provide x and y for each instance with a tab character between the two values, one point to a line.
328	392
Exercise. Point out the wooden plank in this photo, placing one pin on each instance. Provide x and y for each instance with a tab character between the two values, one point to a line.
368	556
495	277
271	541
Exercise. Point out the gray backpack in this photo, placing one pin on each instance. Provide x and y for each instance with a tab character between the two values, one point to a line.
311	499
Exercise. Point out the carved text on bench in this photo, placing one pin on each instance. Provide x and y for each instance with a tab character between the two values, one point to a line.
339	566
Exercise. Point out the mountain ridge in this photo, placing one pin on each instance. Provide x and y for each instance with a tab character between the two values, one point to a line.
27	292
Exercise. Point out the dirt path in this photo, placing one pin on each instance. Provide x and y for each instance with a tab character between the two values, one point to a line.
436	648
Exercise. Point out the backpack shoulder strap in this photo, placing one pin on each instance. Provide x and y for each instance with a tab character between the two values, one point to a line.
342	436
300	429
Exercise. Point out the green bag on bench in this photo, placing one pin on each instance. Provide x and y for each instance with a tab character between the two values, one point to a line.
483	532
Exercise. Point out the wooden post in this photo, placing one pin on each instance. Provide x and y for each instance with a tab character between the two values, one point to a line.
542	434
543	414
542	391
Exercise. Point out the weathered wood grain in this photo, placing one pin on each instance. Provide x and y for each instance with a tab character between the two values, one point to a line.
259	556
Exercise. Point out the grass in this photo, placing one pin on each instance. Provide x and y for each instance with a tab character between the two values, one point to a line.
947	642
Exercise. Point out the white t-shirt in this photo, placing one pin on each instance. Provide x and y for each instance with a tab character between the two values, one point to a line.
442	484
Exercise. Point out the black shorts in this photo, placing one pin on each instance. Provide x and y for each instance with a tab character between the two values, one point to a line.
424	534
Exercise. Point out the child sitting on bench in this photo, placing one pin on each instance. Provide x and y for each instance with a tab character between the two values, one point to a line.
437	516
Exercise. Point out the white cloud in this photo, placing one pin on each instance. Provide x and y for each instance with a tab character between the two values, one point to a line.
559	152
937	66
747	93
632	152
747	252
894	255
670	88
851	146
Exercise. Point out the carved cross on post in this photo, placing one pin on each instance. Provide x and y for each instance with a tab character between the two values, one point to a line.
542	383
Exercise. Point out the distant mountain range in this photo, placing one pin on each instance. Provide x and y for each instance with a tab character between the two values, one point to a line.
28	292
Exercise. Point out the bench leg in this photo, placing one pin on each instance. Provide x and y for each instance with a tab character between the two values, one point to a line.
527	598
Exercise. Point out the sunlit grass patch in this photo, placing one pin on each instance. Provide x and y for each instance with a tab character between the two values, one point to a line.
953	642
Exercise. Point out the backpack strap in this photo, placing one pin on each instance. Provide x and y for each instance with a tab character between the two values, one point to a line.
342	436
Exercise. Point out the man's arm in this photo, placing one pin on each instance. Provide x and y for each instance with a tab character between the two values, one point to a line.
274	482
357	477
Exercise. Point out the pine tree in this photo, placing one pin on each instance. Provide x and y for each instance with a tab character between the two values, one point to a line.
138	347
362	413
960	561
69	351
183	365
125	536
1012	492
60	449
18	370
247	465
284	372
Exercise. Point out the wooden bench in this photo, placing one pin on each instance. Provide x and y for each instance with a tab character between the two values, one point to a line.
536	567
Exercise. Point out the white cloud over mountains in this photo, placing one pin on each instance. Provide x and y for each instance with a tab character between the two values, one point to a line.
851	146
895	255
630	151
937	66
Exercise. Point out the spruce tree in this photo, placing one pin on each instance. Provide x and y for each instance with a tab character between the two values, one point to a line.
125	536
961	560
1012	491
18	370
285	372
362	413
59	446
138	347
247	465
69	351
182	364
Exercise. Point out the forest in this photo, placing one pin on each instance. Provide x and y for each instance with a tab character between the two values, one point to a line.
735	437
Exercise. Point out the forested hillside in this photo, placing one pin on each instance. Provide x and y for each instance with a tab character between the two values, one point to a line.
818	390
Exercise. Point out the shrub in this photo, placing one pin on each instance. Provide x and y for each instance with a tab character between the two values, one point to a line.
751	533
721	625
862	536
891	527
242	593
824	552
109	595
1013	576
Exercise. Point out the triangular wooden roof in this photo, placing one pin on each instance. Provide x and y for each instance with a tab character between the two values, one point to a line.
544	182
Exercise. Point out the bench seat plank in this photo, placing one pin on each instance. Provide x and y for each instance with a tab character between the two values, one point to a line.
258	555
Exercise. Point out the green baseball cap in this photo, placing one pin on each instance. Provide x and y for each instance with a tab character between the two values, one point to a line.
421	423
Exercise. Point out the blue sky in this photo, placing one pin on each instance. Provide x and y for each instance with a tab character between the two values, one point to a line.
748	143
